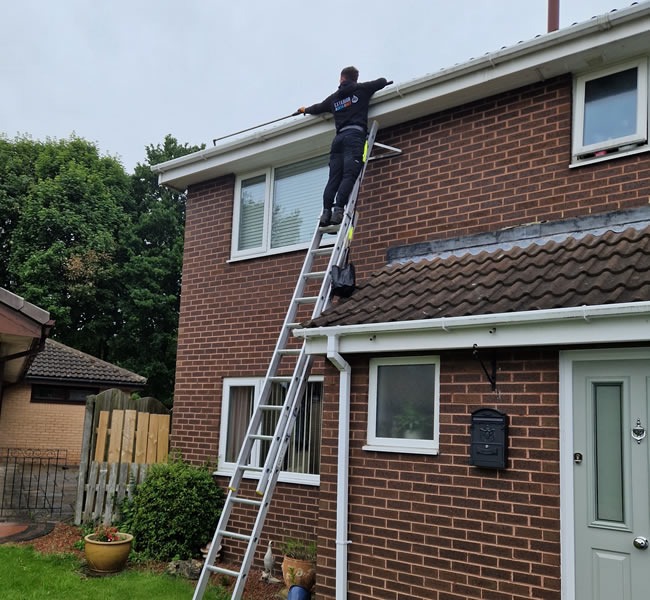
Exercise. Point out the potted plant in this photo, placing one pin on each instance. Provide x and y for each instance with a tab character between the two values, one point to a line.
299	563
107	549
410	423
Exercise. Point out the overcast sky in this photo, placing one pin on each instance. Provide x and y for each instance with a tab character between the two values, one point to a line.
124	73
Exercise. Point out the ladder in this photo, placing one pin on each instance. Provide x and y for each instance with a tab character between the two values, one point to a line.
287	412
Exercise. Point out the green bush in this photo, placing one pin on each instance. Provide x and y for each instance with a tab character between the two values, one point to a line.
299	549
173	512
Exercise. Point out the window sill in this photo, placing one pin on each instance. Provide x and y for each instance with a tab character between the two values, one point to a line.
326	241
401	449
285	477
613	155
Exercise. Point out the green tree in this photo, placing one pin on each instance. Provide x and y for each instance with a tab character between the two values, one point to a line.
99	249
63	244
151	273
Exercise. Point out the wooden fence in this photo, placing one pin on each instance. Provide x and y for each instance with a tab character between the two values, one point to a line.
122	437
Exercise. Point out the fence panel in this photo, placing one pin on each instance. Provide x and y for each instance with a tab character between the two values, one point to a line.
121	438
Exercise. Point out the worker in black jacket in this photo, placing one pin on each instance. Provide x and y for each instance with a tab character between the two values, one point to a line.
349	105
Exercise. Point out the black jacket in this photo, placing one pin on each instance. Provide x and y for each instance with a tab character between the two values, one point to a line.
349	104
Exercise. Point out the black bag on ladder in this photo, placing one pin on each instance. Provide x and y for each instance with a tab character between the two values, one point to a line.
343	279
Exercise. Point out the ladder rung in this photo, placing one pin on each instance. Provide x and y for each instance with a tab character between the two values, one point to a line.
324	251
236	536
222	571
316	275
289	351
280	379
307	300
330	228
250	467
270	407
293	325
247	501
264	438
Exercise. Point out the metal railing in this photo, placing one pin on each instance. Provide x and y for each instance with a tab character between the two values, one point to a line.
32	481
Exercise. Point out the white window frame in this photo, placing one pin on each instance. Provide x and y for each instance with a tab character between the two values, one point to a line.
265	249
625	145
385	444
225	468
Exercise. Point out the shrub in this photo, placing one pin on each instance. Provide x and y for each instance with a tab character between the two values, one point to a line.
174	511
299	549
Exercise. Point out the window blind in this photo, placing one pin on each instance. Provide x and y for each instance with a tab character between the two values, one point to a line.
251	212
297	201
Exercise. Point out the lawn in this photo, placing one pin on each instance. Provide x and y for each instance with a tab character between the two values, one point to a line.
27	575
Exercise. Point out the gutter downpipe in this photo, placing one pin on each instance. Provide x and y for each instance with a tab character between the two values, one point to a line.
342	467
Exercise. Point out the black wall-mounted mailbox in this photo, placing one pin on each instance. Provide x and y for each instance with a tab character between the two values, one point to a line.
489	439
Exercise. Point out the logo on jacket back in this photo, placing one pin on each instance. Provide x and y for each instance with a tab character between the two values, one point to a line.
341	104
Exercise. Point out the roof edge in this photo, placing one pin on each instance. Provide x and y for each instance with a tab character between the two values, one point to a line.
179	170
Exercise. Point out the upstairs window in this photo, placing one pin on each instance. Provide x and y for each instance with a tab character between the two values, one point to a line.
611	111
276	210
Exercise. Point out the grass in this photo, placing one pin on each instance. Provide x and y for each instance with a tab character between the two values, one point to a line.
28	575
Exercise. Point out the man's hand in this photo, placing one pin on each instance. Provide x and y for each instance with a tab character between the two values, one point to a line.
300	111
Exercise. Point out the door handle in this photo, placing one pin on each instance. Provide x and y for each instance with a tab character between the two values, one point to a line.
640	542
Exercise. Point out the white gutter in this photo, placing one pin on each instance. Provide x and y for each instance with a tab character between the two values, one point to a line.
342	468
615	322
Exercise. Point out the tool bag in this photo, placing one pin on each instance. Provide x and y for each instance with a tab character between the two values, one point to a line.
343	279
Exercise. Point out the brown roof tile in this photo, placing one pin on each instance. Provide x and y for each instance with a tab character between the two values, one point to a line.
60	362
610	268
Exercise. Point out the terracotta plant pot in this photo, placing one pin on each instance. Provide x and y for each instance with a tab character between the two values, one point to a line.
107	557
298	572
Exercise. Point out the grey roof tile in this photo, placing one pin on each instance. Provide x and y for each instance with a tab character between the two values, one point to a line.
60	362
612	267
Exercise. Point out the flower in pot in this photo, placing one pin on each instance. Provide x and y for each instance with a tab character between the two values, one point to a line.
409	423
299	564
107	549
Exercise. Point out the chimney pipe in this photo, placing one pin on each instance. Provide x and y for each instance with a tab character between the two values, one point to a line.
553	15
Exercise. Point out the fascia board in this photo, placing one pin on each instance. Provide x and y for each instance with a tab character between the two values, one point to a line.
563	51
585	325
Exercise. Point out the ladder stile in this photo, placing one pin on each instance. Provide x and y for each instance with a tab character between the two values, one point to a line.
287	412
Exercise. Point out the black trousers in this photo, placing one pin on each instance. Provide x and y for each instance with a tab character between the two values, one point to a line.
346	160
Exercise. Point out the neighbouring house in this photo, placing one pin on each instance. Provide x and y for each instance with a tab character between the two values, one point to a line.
43	400
502	262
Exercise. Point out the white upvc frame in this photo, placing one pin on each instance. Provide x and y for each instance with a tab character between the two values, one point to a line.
265	249
225	468
266	229
402	445
567	492
634	142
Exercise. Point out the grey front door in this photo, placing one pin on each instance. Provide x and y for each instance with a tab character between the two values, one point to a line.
611	482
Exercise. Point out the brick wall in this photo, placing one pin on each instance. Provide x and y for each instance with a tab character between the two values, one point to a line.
433	527
39	425
494	163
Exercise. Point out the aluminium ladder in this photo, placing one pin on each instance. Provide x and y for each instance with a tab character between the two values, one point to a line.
287	412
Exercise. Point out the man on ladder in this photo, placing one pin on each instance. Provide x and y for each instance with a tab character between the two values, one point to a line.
349	105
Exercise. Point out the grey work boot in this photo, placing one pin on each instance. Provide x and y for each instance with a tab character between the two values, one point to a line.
337	215
325	218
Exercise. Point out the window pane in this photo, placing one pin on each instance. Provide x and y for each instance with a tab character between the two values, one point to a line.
240	409
610	107
303	453
405	401
297	201
80	394
251	212
608	407
46	393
